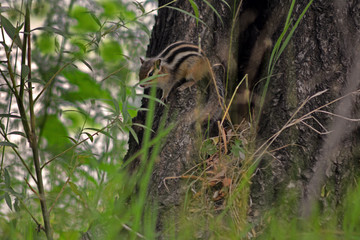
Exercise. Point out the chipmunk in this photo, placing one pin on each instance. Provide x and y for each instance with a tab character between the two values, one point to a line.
182	60
178	61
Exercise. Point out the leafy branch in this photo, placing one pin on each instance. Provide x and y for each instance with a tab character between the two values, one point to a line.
29	127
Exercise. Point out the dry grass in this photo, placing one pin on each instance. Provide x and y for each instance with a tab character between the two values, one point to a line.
220	183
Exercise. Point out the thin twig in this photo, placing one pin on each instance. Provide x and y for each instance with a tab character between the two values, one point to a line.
77	144
232	98
130	229
315	130
339	116
111	74
21	159
31	188
181	177
39	226
7	82
282	147
59	194
292	122
50	81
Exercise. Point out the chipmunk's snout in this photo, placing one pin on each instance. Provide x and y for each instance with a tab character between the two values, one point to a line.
147	84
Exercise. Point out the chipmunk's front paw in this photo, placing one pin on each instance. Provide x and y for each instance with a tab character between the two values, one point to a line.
185	86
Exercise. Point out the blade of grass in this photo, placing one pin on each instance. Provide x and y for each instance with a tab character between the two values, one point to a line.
189	14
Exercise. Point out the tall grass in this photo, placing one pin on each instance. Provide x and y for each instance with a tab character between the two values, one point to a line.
279	47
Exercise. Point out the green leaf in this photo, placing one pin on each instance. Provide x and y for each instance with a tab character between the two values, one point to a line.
8	144
16	205
98	37
133	112
7	178
115	9
46	43
116	106
86	64
85	22
150	97
78	192
55	132
208	148
50	30
139	6
143	126
214	10
125	113
99	130
133	134
11	31
8	200
74	188
289	15
6	115
196	10
89	136
76	118
237	150
87	175
123	92
95	19
36	80
72	139
294	28
227	4
11	191
17	133
148	79
24	71
87	87
82	47
111	52
111	8
6	49
106	167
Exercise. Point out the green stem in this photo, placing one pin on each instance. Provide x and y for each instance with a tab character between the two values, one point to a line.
31	133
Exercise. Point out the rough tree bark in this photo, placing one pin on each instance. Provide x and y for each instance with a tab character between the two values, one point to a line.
180	149
323	54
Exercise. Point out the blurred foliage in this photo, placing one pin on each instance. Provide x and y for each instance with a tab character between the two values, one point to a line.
83	74
46	43
86	21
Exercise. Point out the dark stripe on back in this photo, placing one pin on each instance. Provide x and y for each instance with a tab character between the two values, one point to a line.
181	60
190	49
169	48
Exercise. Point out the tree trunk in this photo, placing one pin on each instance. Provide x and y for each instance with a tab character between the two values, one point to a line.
322	55
180	149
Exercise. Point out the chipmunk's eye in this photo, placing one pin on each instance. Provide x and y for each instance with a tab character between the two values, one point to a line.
151	73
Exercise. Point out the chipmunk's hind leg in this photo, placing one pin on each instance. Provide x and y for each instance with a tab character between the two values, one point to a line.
196	72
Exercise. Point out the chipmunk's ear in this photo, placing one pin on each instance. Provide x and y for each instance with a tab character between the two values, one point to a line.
157	63
142	60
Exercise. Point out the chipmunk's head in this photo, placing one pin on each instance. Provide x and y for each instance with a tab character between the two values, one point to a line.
152	67
149	68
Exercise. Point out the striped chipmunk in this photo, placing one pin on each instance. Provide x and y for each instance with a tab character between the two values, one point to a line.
178	61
